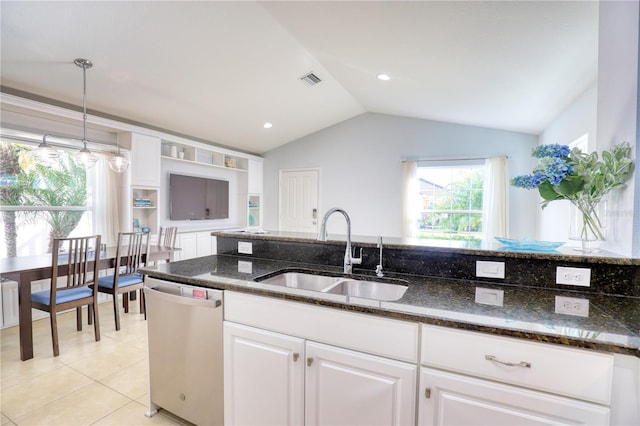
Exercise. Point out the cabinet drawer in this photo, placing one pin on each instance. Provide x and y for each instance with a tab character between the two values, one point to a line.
561	370
366	333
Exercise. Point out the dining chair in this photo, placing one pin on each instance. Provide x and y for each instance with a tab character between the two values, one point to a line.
79	263
130	251
166	238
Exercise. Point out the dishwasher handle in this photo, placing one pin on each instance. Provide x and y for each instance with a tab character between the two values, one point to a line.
157	292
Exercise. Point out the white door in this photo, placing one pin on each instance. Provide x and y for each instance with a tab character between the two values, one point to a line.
345	387
263	377
453	399
299	200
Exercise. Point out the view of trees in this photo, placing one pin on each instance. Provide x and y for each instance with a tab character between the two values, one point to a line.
25	182
455	210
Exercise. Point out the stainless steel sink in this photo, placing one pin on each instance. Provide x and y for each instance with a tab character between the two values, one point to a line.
332	284
302	280
369	290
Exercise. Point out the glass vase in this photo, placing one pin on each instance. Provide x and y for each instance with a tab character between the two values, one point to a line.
588	224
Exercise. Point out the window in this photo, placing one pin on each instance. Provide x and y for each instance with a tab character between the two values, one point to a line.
450	200
39	202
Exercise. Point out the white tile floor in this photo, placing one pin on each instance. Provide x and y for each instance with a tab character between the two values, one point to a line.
90	383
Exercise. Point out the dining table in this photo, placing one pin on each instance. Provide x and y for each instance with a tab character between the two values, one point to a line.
27	269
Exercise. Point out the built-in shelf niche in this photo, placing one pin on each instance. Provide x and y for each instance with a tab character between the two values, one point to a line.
208	157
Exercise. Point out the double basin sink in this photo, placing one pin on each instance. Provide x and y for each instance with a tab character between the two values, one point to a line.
323	282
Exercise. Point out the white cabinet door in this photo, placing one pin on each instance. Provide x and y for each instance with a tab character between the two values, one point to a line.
205	244
9	303
345	387
255	177
145	159
263	377
448	399
188	247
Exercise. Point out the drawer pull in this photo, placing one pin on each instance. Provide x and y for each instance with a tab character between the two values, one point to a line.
507	363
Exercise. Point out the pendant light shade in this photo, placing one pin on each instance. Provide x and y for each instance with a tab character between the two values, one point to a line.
118	162
45	153
85	158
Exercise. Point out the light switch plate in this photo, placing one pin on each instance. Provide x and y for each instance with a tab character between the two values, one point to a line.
489	296
489	269
245	247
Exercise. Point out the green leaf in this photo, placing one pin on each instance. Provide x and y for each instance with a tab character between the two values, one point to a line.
570	187
548	193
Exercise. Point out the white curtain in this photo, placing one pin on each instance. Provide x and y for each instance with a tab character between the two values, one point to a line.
102	185
495	217
410	199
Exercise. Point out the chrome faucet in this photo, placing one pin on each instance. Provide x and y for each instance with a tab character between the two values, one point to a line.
379	267
349	259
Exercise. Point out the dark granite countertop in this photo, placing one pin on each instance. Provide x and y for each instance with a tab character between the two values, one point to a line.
613	323
480	248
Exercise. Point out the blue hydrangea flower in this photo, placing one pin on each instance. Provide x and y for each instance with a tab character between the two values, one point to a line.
529	181
551	150
554	169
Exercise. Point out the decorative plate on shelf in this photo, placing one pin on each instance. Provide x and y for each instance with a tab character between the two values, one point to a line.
529	245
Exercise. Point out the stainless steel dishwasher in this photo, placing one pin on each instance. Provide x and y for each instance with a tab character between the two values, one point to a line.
184	326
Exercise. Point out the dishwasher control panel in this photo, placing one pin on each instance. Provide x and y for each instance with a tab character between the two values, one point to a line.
198	293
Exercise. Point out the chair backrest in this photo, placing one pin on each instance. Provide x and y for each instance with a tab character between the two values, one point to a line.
79	260
167	236
130	251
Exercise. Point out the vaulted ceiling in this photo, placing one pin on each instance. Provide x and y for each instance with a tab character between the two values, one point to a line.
218	71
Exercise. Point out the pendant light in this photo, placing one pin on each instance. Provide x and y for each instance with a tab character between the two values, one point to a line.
84	158
118	162
45	153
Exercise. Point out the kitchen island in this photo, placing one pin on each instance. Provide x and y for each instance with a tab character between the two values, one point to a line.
445	301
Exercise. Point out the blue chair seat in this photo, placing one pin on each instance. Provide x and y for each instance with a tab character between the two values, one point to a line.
44	296
123	281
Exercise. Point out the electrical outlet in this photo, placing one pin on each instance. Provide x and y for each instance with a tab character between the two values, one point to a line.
489	269
572	306
245	247
573	276
245	267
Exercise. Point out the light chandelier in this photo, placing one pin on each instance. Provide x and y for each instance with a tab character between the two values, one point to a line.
118	162
84	158
46	153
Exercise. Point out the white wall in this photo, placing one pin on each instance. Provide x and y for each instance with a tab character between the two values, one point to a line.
361	167
576	120
608	112
617	110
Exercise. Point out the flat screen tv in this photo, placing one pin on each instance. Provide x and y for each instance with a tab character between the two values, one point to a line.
197	198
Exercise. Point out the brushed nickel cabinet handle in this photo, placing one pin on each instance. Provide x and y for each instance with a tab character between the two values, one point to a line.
309	362
523	364
296	355
427	393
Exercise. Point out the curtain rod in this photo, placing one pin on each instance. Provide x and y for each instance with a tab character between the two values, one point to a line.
451	158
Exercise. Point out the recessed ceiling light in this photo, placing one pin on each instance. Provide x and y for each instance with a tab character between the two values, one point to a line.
268	125
384	77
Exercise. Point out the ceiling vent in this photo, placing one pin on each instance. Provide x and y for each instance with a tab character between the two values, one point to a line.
311	79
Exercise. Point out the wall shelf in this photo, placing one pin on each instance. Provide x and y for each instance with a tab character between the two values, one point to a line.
144	204
208	157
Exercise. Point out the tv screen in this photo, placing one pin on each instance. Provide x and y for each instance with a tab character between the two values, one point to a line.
197	198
